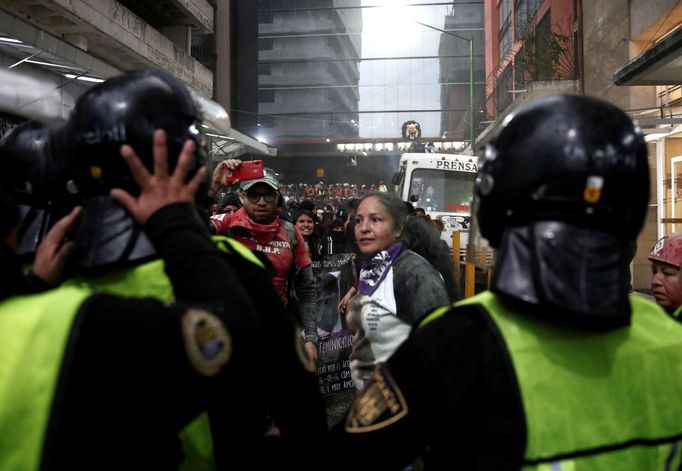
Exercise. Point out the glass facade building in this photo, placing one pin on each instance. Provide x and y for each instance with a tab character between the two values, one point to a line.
340	71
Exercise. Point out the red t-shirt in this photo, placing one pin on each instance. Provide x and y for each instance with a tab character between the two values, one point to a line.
271	239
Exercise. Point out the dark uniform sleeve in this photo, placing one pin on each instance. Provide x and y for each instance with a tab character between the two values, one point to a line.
448	389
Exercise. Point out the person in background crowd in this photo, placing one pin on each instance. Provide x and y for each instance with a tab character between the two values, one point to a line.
666	259
438	224
308	205
305	223
258	226
396	286
323	225
349	239
229	203
423	239
382	187
421	212
557	366
335	237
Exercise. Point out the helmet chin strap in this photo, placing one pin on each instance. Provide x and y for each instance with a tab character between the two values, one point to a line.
566	272
107	237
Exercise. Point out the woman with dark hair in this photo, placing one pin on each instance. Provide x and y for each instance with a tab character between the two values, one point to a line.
305	221
397	286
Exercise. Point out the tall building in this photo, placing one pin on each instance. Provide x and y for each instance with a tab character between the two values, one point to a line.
308	70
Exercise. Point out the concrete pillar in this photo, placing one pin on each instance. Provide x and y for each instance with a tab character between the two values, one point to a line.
222	80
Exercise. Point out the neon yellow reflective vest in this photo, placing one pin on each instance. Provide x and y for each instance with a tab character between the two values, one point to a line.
33	332
33	336
595	400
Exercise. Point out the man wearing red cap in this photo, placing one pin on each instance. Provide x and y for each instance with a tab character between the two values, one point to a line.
258	226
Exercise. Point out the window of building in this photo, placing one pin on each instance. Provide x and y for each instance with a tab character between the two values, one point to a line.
265	44
543	38
504	16
502	96
264	69
266	96
524	12
265	17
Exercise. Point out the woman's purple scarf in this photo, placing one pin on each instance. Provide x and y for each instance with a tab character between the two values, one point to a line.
375	269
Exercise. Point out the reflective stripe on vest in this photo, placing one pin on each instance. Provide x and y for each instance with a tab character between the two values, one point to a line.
229	245
597	400
146	280
33	335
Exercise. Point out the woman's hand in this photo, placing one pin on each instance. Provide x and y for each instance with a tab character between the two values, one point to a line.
310	350
343	304
53	252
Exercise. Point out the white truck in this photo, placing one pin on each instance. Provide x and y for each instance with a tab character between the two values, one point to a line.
441	184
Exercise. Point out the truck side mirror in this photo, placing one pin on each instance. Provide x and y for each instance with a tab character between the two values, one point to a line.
397	178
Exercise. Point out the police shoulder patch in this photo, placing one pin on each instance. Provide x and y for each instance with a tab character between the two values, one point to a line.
207	342
378	405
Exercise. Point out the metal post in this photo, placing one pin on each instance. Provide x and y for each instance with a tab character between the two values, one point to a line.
472	134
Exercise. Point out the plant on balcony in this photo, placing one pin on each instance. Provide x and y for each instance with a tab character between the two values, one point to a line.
545	56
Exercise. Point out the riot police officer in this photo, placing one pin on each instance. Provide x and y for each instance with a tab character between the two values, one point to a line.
128	383
557	365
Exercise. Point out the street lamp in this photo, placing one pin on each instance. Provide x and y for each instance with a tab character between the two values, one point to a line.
470	40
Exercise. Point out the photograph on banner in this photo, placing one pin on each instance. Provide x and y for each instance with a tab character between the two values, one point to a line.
335	275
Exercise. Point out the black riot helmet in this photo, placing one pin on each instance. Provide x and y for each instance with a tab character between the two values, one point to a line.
127	109
48	180
41	184
33	138
566	158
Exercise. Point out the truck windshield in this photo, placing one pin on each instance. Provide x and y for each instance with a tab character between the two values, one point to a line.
436	190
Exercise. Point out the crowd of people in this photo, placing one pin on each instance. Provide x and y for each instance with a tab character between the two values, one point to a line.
321	193
171	322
